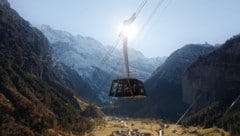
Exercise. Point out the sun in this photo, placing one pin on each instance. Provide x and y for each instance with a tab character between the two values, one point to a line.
128	31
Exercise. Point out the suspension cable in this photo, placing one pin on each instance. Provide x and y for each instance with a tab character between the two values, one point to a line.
159	4
106	56
229	108
233	103
142	29
188	108
140	7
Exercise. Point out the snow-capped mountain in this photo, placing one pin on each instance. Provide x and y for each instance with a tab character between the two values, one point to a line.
91	59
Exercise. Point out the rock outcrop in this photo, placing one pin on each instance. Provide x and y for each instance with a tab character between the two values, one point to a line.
216	76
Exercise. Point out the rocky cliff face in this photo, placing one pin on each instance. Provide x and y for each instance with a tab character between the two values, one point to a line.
164	91
177	62
34	95
165	87
216	76
215	79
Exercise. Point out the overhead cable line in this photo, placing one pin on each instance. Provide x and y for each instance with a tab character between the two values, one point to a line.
106	56
189	108
233	103
142	29
153	13
140	7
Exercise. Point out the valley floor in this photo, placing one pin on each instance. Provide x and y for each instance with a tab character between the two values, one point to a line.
114	126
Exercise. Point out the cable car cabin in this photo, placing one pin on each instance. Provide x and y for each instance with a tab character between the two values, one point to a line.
127	88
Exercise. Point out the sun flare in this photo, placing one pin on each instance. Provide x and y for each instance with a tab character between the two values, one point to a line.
128	30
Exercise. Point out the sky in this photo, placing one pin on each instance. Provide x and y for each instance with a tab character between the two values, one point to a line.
175	23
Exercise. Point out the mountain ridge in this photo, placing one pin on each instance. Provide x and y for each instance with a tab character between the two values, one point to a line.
95	67
214	78
164	94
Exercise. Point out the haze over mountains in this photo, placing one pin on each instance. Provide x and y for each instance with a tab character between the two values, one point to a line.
45	79
85	55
